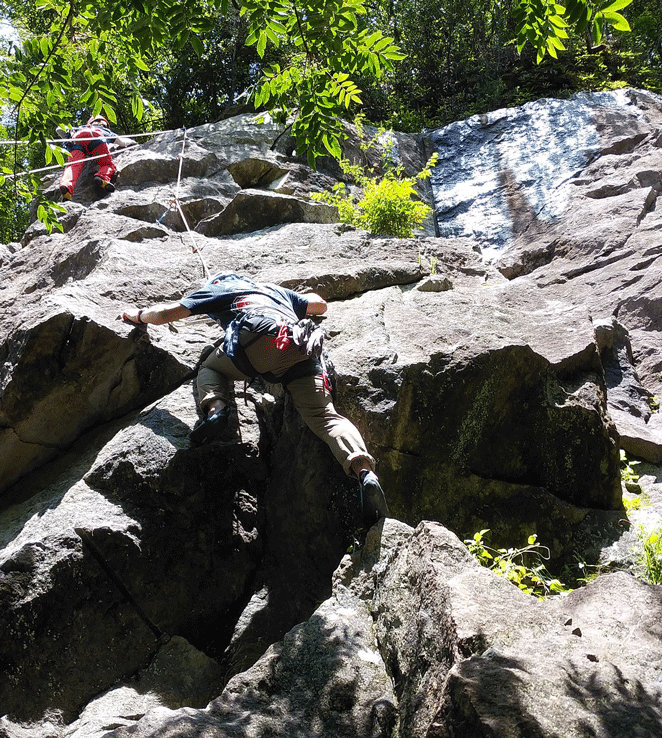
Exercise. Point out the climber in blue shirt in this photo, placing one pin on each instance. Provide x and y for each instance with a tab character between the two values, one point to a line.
267	333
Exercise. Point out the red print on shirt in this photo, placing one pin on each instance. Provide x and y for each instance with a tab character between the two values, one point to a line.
243	303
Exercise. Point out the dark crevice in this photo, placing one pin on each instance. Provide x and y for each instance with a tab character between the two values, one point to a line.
89	544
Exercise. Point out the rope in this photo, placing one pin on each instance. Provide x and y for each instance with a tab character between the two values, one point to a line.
59	166
78	140
178	207
7	142
181	161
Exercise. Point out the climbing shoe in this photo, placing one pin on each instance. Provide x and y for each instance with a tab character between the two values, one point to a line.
210	427
64	193
104	186
373	502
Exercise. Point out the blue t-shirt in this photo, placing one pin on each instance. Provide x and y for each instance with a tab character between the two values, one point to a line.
237	302
227	296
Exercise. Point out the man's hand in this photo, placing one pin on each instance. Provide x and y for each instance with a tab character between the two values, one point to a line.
316	304
132	316
159	314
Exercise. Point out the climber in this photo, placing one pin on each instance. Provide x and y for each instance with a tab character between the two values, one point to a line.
91	139
267	334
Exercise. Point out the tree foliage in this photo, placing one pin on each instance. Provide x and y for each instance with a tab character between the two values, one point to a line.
469	56
406	63
545	23
328	49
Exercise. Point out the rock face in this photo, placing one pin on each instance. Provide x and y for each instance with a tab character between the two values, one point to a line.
568	198
138	574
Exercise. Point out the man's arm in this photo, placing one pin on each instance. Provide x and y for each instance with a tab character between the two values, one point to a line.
164	312
316	304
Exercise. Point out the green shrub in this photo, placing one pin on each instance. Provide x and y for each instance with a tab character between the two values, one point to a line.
387	204
523	567
651	556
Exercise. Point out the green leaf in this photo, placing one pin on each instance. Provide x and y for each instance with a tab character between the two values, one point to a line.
578	11
616	21
110	114
262	44
277	27
332	146
558	21
613	5
141	64
137	107
59	155
556	43
181	39
596	31
272	36
583	22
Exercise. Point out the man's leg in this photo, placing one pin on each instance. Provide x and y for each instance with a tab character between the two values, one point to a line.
72	172
214	377
106	168
315	404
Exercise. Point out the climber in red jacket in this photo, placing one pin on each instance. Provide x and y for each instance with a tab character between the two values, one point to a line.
91	139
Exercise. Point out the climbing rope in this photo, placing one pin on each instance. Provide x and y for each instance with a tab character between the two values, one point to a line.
61	141
177	206
59	166
8	142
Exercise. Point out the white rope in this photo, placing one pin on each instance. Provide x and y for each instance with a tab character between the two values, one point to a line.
196	250
7	142
181	161
177	204
59	166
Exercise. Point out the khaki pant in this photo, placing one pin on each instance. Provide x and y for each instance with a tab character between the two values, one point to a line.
310	397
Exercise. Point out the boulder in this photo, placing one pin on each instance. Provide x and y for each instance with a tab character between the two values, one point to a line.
415	610
179	675
574	209
252	210
131	540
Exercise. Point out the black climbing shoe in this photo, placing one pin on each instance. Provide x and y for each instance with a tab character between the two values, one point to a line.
373	502
64	193
210	427
104	186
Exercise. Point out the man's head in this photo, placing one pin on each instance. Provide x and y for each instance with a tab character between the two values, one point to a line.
97	120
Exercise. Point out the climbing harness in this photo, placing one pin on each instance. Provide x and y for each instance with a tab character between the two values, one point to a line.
305	334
